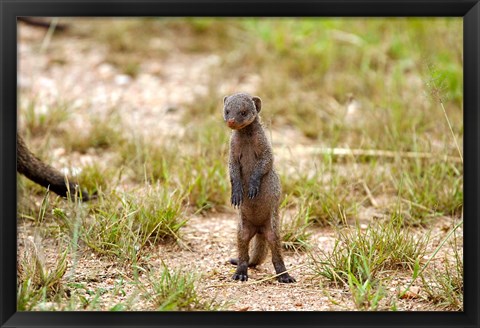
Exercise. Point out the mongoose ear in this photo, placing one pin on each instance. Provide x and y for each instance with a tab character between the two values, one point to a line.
258	103
225	99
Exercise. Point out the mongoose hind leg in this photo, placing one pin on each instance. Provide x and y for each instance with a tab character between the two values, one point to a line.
244	235
274	242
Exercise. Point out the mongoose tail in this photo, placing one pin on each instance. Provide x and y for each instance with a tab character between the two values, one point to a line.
43	174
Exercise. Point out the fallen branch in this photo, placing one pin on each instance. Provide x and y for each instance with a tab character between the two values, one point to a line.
374	153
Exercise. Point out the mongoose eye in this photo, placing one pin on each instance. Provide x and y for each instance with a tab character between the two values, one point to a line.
227	112
244	113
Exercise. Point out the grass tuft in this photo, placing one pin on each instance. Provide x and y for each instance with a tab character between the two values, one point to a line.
368	254
445	286
121	224
104	133
38	119
38	282
295	234
174	290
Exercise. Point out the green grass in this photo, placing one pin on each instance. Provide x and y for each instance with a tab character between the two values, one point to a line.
366	294
444	285
202	155
40	119
207	108
103	133
208	184
27	194
174	290
369	254
148	162
365	261
132	41
121	224
429	190
115	223
205	171
304	62
38	283
95	179
295	227
327	193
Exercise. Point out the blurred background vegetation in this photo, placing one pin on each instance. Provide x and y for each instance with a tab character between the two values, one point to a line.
397	68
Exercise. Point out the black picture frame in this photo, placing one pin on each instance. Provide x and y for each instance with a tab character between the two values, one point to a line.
468	9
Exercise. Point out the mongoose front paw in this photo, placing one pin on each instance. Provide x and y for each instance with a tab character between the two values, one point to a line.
237	198
240	276
286	278
253	190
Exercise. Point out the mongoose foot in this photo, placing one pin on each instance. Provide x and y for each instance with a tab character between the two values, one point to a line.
241	272
286	278
240	276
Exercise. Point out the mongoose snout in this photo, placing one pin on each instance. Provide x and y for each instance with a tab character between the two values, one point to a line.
231	123
256	188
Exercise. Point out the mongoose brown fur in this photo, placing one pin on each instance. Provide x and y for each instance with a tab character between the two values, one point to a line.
256	188
43	174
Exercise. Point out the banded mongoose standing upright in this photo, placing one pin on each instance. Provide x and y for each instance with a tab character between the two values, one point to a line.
43	174
256	188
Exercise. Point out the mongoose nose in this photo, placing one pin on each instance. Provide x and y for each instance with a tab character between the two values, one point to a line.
230	122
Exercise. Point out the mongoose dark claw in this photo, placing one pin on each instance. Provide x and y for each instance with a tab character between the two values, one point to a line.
286	278
240	276
236	200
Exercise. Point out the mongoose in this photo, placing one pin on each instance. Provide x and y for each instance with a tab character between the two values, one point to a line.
256	187
43	174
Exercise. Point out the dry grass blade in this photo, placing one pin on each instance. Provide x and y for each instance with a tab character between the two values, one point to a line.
417	272
48	36
369	194
451	131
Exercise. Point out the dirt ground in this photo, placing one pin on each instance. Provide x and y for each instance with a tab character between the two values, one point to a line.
151	103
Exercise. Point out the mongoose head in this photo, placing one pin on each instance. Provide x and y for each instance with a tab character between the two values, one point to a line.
240	110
